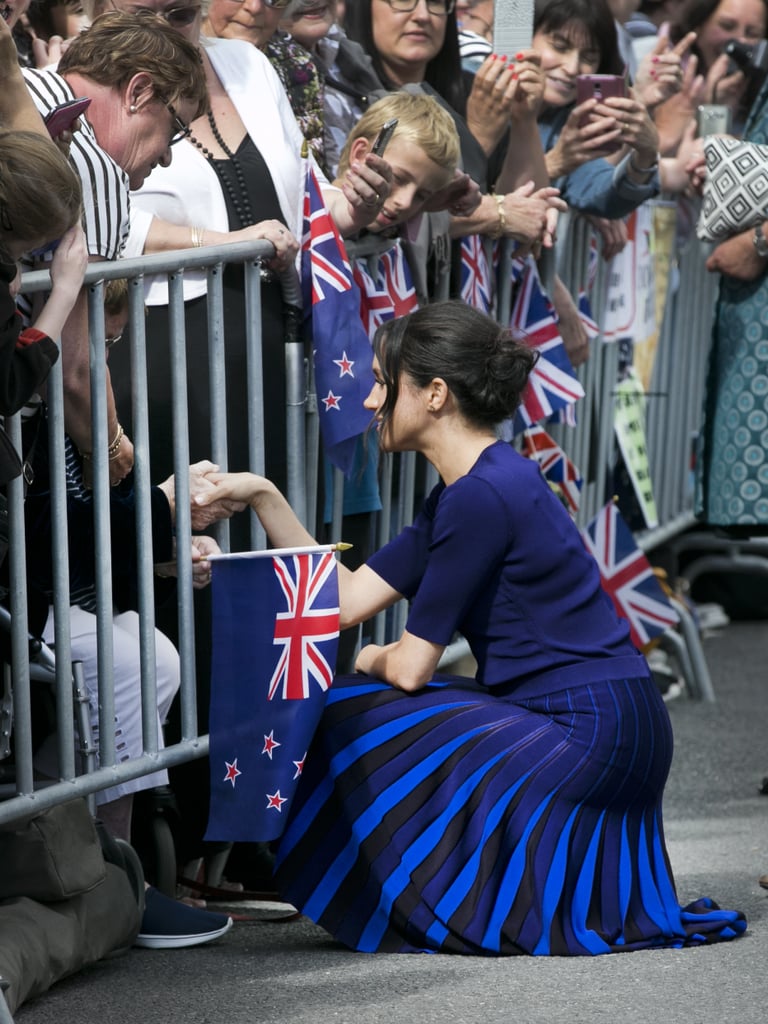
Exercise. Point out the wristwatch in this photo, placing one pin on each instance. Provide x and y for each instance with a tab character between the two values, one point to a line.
760	242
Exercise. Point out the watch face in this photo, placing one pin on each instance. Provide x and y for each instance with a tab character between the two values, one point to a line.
760	241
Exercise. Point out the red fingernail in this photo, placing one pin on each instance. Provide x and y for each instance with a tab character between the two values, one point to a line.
519	56
653	73
494	56
514	74
504	57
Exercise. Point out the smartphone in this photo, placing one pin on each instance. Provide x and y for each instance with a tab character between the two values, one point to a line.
381	141
713	119
513	26
600	87
64	116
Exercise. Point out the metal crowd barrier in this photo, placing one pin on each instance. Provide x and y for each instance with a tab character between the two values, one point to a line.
673	416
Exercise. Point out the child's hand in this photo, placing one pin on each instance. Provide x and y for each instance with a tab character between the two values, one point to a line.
70	261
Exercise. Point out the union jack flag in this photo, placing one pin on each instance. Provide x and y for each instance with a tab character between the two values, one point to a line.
376	305
342	353
476	280
552	384
395	278
275	635
555	465
627	577
303	628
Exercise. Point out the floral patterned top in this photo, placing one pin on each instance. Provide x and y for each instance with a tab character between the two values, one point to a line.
301	81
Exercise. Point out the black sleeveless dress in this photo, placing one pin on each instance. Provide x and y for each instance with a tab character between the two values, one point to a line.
264	205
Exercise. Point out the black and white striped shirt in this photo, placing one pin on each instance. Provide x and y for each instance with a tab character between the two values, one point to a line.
105	185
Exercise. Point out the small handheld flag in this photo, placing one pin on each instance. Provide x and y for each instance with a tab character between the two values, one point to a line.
555	465
275	636
342	353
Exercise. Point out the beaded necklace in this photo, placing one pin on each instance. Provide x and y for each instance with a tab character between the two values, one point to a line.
241	203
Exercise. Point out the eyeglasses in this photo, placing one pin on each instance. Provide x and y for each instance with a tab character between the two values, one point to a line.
439	7
180	17
177	17
180	130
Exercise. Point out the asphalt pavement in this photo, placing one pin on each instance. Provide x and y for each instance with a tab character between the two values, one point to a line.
269	972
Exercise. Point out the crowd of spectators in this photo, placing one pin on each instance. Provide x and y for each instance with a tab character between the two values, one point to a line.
194	136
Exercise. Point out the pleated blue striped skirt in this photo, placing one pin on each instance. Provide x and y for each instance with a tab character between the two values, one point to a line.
452	820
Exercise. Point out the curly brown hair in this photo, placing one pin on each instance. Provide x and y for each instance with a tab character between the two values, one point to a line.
119	45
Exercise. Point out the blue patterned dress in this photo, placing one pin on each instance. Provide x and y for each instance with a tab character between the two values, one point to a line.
732	461
516	813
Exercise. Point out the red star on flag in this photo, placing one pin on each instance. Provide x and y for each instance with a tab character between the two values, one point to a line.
270	743
345	365
232	772
332	401
275	801
300	766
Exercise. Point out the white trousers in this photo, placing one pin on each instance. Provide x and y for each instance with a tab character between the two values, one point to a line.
127	674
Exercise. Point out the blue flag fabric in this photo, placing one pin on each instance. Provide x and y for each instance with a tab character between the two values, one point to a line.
342	352
275	635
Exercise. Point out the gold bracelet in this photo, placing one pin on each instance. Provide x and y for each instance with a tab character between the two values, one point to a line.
197	237
501	227
114	447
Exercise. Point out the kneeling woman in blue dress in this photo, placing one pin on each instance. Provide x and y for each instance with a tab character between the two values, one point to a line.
518	812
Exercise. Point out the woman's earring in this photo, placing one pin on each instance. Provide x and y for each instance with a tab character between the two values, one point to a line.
133	108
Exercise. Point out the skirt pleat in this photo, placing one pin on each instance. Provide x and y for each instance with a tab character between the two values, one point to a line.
452	820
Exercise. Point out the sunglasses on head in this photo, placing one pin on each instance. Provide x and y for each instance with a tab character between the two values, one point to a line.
177	17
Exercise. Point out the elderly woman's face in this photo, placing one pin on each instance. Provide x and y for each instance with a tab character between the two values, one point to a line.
310	20
183	15
146	136
251	20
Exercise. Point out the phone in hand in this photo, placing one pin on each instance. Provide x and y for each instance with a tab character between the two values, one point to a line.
381	141
64	116
600	87
713	119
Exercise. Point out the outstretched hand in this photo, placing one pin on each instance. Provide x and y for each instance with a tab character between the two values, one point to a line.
661	71
216	505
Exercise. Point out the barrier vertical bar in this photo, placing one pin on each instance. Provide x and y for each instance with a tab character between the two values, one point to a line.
60	571
177	340
143	511
253	342
218	386
100	441
22	698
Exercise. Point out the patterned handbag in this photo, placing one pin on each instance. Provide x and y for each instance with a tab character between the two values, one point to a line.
735	189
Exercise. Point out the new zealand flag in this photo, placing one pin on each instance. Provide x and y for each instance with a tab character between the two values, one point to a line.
275	635
342	352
